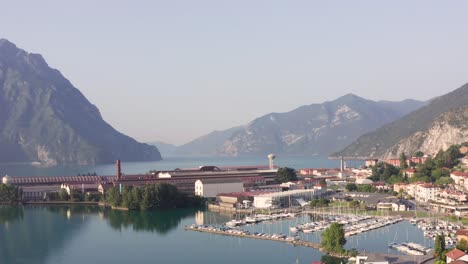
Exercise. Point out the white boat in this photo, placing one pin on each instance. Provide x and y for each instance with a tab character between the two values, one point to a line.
234	223
251	220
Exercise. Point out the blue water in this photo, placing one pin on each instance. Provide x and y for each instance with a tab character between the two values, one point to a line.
88	234
54	235
169	164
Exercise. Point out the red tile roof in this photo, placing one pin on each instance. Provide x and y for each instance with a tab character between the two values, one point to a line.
460	173
462	232
458	262
428	185
455	254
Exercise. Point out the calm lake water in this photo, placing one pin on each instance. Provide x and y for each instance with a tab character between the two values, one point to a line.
84	234
87	234
169	164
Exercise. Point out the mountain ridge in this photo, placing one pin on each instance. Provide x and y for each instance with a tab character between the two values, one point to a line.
376	143
44	118
229	140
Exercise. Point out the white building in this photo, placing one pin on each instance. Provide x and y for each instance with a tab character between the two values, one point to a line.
392	206
279	199
210	188
426	192
460	179
456	254
6	179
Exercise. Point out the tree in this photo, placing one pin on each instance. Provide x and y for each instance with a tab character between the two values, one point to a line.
10	193
320	202
285	175
113	196
351	187
151	197
403	164
400	194
332	260
366	188
323	182
354	204
131	197
418	154
444	181
333	238
439	247
383	172
63	195
462	245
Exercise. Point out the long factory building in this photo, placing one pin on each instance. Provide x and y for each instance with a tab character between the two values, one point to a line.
183	179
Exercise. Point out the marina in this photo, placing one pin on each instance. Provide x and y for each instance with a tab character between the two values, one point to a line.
353	224
305	230
434	227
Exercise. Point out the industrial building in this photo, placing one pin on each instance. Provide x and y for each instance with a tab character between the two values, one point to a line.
184	179
210	188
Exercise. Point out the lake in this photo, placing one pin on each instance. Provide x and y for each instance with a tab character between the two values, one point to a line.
90	234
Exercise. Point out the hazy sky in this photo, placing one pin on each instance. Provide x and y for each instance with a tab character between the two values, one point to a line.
174	70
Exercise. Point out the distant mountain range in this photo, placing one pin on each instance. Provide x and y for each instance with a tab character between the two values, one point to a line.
44	118
316	129
439	124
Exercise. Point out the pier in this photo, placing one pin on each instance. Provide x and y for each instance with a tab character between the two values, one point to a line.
293	242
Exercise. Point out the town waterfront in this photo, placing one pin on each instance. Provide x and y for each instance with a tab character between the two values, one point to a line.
74	234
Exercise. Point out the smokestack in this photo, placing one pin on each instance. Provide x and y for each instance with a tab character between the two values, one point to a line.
119	173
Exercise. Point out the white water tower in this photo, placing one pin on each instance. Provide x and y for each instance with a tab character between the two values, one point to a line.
271	161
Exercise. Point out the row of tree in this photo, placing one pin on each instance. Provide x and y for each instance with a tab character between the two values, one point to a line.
74	196
319	202
352	187
10	194
151	197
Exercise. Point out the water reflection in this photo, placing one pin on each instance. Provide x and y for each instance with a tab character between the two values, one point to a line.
77	234
32	234
10	214
160	222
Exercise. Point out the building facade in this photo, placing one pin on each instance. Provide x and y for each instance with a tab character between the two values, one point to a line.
210	188
426	192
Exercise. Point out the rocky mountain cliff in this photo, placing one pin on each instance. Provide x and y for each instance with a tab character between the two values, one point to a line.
427	128
449	128
317	129
44	118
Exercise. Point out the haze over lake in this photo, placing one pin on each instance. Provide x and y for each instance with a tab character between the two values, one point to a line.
169	163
